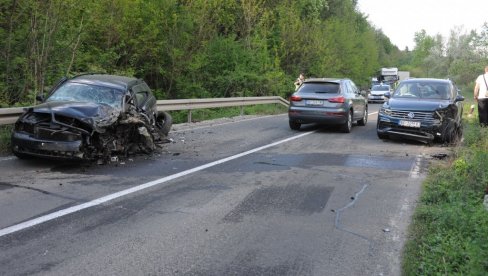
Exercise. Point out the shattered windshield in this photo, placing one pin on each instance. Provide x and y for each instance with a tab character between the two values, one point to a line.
78	92
423	90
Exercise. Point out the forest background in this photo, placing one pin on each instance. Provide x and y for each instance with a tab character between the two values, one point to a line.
214	48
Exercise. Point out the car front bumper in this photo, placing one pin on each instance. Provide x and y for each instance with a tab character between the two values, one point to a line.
25	144
427	132
376	98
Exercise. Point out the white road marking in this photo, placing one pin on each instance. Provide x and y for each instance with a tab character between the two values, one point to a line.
7	158
416	167
101	200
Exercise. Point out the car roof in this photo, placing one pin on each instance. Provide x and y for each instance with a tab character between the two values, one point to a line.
423	80
324	80
120	82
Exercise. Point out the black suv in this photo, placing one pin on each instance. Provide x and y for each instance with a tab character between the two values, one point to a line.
424	110
92	116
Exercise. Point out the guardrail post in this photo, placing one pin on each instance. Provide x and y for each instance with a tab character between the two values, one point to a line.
242	110
189	115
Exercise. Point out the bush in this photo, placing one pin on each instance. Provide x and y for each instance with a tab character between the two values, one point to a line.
5	132
448	234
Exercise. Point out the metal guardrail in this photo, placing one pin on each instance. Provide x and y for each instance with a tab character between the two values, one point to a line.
10	115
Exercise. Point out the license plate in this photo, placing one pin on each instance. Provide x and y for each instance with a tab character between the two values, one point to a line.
315	102
409	123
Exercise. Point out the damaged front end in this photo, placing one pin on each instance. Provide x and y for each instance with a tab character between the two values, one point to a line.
442	124
84	131
449	128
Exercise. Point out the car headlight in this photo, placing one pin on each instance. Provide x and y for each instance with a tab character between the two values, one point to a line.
385	111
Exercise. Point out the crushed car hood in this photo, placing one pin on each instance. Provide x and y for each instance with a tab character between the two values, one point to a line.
95	115
416	104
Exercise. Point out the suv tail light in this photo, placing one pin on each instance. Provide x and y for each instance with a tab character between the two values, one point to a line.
340	99
294	98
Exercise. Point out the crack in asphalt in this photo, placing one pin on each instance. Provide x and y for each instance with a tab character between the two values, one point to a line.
338	218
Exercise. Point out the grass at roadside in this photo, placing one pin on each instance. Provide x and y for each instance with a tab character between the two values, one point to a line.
449	230
5	131
178	117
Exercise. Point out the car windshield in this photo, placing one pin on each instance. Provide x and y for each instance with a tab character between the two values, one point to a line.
78	92
381	88
423	90
319	87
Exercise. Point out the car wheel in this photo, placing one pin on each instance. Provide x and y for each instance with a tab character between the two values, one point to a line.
450	133
346	127
364	120
295	125
164	121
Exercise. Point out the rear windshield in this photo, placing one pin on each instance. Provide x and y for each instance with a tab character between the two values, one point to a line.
319	87
381	88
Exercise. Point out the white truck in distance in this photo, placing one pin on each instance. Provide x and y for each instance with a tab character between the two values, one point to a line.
403	75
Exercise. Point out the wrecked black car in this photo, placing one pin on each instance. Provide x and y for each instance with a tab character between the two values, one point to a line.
92	117
425	110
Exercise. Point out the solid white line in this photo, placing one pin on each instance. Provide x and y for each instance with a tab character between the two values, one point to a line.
98	201
7	158
416	166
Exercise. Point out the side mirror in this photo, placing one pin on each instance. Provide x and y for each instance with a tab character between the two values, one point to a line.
459	98
40	98
387	95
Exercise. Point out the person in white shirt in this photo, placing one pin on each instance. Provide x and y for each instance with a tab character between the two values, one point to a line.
299	80
481	96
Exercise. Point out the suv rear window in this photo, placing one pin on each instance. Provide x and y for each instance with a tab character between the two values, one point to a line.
381	88
319	87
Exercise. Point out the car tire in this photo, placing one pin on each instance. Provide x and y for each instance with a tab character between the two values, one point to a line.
294	125
346	127
364	120
455	135
164	121
450	133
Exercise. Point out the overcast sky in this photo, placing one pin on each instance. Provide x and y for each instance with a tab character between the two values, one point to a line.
401	19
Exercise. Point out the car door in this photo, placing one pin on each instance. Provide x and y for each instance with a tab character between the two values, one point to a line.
144	98
358	101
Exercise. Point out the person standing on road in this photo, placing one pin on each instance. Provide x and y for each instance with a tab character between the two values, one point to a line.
299	81
481	96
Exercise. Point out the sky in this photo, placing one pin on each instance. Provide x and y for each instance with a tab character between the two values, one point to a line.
401	19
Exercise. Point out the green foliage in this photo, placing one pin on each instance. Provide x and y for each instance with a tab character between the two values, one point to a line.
5	132
461	57
448	233
185	49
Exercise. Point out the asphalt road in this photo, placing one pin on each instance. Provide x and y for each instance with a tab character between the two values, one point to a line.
243	196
